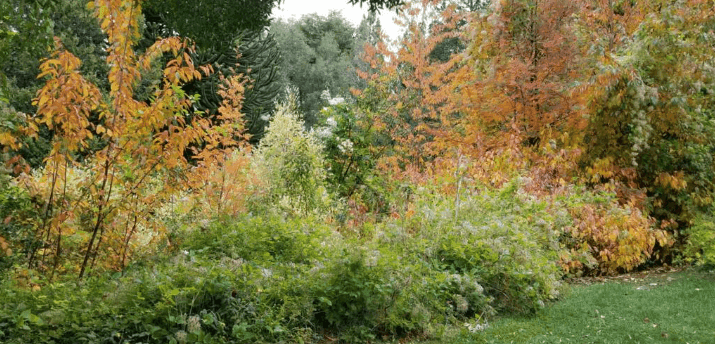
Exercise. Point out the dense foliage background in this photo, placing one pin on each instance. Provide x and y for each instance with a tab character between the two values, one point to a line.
168	179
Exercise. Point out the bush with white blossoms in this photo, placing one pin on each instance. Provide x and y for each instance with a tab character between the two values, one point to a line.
346	146
350	142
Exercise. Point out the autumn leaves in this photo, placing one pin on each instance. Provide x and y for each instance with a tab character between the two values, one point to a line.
563	93
116	160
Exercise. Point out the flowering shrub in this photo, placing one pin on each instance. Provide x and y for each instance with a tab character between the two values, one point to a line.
504	239
349	138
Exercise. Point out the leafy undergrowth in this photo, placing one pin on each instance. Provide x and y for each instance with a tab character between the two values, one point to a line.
276	279
273	278
659	308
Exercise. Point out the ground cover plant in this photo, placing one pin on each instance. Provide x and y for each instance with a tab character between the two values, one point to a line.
273	278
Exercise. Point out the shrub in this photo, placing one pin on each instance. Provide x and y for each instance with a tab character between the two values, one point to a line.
606	237
224	189
185	300
16	230
276	278
289	160
356	294
351	147
262	239
505	240
700	246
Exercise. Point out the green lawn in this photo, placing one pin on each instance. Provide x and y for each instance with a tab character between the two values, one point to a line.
656	308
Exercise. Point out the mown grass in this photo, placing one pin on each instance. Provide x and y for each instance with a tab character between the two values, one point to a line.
661	308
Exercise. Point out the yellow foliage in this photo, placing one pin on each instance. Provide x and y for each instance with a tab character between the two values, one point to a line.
674	181
601	168
619	237
224	185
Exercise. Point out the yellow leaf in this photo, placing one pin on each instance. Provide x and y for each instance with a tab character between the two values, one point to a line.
7	139
42	101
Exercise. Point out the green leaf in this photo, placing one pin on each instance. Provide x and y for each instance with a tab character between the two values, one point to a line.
325	301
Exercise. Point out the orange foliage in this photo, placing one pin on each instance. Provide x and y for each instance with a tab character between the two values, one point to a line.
224	185
512	86
524	57
610	239
538	79
420	89
95	210
5	247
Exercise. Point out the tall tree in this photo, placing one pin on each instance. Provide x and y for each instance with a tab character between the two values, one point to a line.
254	54
419	87
651	106
525	53
223	20
36	23
233	41
377	5
368	36
25	31
317	58
452	45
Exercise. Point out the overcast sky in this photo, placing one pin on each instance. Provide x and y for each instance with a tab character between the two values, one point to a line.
296	8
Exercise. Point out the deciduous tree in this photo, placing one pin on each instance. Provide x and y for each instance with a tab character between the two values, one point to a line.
93	211
317	56
525	55
651	109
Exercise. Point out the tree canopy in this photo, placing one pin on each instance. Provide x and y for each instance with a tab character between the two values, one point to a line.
318	57
211	24
377	5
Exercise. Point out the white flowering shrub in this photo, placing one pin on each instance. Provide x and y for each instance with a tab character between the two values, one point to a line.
505	241
352	148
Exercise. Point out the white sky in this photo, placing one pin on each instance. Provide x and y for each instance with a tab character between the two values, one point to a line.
296	8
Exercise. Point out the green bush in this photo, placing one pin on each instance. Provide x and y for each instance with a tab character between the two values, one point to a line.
16	231
290	163
505	240
351	147
186	300
262	239
355	296
700	246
